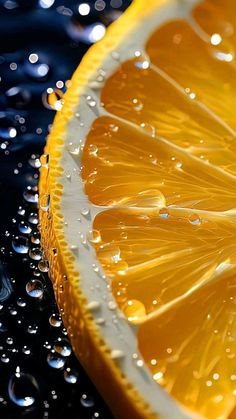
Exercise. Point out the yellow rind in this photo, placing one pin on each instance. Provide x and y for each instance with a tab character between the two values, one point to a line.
94	354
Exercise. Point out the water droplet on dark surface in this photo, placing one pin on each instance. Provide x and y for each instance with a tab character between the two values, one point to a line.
20	244
23	389
34	288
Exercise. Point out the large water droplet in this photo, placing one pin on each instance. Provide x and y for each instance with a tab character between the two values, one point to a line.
24	227
55	360
34	288
23	389
20	244
30	194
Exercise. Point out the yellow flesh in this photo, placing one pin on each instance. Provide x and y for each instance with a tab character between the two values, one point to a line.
163	161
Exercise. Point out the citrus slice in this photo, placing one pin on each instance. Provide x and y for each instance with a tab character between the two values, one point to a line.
140	228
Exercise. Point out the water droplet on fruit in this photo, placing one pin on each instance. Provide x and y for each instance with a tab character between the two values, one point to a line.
195	219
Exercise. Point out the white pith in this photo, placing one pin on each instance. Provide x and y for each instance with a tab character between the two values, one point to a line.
115	330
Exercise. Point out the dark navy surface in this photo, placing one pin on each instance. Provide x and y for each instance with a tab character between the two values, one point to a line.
39	375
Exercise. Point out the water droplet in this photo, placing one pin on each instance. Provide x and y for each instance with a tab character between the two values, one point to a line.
55	320
44	202
20	244
43	265
112	305
74	149
24	227
32	329
134	310
26	350
34	288
86	401
35	253
53	99
94	236
93	305
30	194
5	359
33	218
44	160
35	237
164	213
91	102
115	55
195	219
21	211
55	360
23	389
149	129
137	104
93	149
70	376
141	62
85	212
21	302
37	70
17	97
63	347
117	354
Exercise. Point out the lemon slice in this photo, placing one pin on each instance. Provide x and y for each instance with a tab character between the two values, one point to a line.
137	208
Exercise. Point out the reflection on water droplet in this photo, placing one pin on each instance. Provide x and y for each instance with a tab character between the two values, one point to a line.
34	288
70	376
195	219
141	62
55	360
23	389
20	244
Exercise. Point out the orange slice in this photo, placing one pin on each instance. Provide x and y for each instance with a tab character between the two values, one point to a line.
140	228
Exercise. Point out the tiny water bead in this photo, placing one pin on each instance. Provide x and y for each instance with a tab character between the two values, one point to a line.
43	265
20	244
34	288
23	389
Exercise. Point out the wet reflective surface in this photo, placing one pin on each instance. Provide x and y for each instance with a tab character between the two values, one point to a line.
42	43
